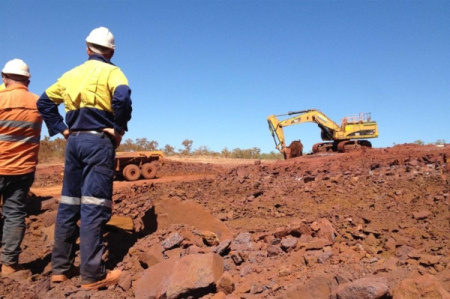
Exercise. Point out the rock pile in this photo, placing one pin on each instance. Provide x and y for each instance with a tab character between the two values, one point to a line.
367	224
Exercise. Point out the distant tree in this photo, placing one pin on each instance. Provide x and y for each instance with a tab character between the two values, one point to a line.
141	144
203	151
126	146
187	147
440	141
419	142
51	149
54	149
272	156
255	153
237	153
169	150
226	153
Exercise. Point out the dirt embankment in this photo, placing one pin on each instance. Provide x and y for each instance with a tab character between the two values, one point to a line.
367	224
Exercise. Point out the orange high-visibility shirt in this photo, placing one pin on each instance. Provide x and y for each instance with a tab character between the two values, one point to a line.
20	130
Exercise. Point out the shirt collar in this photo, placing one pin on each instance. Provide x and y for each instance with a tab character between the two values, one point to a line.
15	86
100	58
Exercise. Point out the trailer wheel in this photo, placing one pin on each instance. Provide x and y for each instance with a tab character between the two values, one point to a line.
131	172
148	171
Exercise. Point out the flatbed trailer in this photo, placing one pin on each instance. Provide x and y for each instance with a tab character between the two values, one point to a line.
133	165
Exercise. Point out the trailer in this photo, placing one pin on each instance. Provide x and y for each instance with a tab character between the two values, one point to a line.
133	165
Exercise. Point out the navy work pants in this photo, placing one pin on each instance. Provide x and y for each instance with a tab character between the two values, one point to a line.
86	196
14	190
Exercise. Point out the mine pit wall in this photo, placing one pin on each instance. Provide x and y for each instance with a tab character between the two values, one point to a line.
378	207
320	225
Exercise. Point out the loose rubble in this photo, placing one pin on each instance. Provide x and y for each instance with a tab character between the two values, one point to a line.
372	223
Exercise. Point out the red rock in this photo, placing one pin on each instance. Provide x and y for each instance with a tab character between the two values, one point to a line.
175	277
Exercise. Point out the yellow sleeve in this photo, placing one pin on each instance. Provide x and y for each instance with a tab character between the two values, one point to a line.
55	93
116	78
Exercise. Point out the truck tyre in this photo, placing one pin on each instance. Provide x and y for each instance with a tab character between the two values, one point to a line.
131	172
148	171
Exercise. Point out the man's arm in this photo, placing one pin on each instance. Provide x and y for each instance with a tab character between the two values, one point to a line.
121	103
50	114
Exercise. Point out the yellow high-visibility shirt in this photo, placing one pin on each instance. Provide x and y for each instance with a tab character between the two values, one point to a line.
90	85
88	92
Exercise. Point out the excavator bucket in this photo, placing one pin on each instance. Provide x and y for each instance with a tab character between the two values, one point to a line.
295	149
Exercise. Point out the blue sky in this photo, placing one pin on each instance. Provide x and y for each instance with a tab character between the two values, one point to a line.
211	71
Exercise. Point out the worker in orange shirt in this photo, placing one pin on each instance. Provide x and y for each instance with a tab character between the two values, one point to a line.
20	131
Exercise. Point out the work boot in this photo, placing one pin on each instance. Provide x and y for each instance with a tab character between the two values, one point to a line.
10	269
57	278
111	278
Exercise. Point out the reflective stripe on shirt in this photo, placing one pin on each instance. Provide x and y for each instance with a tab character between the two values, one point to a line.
16	138
20	124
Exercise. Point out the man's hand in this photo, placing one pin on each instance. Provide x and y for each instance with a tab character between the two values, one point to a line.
117	137
66	133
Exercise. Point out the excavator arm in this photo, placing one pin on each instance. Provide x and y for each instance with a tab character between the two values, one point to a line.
327	126
277	132
295	149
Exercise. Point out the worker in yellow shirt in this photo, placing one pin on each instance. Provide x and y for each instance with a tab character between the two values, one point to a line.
20	131
97	102
2	86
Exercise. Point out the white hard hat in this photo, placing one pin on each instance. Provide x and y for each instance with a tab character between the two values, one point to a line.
17	67
101	36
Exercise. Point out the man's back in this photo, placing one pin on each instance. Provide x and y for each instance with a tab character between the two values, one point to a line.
20	129
95	96
88	86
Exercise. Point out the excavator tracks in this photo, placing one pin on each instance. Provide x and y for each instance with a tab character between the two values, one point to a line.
349	145
323	147
341	146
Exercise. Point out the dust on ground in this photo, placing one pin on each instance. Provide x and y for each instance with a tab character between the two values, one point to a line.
328	225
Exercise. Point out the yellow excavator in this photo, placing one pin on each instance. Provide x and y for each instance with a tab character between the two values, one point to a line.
350	134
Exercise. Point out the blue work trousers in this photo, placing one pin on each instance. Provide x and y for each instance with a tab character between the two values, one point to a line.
14	190
86	196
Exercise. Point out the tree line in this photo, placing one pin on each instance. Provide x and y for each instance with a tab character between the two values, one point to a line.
53	150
